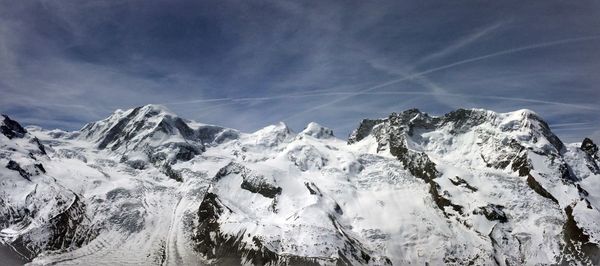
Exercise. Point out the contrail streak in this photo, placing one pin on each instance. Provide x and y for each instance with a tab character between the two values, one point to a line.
461	43
198	101
352	93
568	125
491	97
573	128
451	65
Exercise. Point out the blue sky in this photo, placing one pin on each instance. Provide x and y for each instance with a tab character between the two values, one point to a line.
247	64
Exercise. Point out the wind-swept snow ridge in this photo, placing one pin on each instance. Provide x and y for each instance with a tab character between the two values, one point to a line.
144	186
317	131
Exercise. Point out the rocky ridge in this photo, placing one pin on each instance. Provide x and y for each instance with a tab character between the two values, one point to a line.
470	187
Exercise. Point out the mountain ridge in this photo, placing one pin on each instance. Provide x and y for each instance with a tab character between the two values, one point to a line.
474	185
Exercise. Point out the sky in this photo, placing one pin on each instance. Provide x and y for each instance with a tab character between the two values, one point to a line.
248	64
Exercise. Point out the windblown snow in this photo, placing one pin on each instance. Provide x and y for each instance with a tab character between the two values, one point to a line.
145	187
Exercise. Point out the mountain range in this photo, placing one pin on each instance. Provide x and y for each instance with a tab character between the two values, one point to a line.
146	187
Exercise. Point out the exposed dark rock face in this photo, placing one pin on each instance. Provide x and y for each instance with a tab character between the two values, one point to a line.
208	133
459	182
216	135
231	168
171	173
40	167
523	167
180	125
590	148
313	189
250	181
535	185
593	158
577	247
12	165
363	130
115	132
506	157
264	189
463	119
442	202
492	212
187	152
40	146
11	128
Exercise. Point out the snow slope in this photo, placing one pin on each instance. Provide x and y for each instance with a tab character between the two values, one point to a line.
147	187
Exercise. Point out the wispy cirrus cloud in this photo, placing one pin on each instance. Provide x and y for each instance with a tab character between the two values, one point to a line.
248	64
439	90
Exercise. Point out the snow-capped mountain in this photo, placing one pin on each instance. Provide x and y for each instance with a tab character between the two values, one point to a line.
144	186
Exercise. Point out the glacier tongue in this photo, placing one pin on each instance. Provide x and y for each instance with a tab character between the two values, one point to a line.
144	186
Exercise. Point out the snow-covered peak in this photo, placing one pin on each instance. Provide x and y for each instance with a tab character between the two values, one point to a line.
519	120
527	126
10	128
156	108
467	136
19	139
148	132
272	135
132	123
280	128
148	109
315	130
